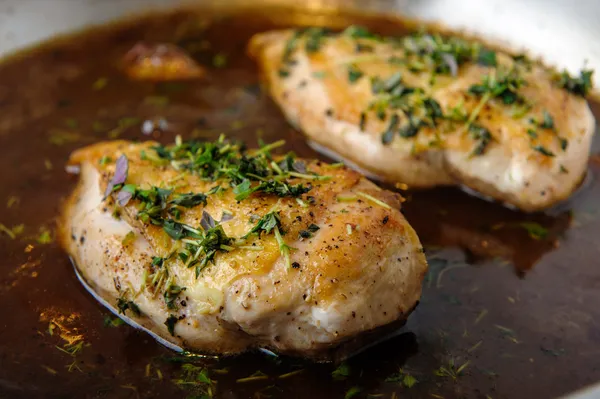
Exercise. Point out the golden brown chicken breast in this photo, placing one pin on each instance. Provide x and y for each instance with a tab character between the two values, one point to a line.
219	249
429	110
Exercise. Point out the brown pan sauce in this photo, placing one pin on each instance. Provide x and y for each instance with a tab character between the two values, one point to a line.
480	329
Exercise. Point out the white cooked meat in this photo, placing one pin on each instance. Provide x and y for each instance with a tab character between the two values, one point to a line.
429	110
353	263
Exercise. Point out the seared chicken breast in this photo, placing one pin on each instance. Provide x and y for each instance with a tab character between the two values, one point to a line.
217	249
429	110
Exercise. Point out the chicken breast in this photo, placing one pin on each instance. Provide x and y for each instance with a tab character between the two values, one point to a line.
429	110
217	249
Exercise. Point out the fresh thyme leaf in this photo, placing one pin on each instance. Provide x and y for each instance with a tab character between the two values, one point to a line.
218	190
13	232
487	58
341	372
547	122
219	60
242	190
388	135
189	200
314	38
283	247
170	323
482	136
174	229
354	73
501	83
45	236
363	121
123	305
158	261
128	239
389	85
171	294
543	150
265	224
532	133
535	230
282	189
359	32
410	129
113	321
308	233
405	379
352	392
564	143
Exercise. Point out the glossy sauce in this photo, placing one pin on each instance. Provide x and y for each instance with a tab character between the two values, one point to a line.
520	314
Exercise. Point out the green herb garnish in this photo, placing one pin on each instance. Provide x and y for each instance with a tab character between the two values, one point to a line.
341	372
354	73
171	294
487	58
547	121
482	136
308	233
123	305
170	323
501	83
580	85
543	150
535	230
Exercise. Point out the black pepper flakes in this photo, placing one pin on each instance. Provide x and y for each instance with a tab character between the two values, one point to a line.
296	265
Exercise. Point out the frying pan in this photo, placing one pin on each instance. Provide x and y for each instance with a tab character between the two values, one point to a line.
563	32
